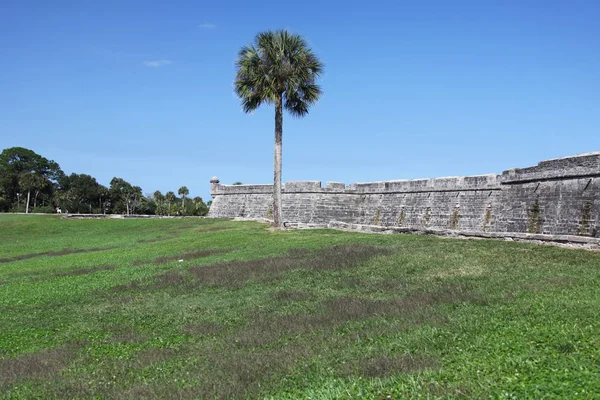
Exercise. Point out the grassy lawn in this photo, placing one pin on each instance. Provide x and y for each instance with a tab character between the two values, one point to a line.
209	309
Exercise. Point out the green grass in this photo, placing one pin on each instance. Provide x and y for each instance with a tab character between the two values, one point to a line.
105	309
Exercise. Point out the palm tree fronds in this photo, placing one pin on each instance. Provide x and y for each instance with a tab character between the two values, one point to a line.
278	65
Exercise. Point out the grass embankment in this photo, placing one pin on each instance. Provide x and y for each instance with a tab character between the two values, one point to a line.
106	309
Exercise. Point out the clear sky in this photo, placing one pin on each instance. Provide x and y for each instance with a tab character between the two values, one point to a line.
143	89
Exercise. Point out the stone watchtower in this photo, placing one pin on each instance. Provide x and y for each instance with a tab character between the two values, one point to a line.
214	182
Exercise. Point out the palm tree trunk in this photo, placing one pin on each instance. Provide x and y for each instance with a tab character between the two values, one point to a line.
27	206
277	217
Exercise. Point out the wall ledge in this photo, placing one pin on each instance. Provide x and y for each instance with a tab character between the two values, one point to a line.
567	240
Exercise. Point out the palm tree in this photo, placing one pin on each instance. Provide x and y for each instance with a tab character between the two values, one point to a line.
29	180
183	191
170	197
196	202
158	199
280	69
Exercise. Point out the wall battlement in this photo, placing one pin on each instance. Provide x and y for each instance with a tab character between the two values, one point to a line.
559	196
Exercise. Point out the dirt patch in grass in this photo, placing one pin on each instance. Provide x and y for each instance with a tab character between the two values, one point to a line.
222	374
158	239
337	257
236	375
291	296
85	271
168	279
125	334
207	329
348	308
62	252
213	229
374	367
39	365
371	285
153	356
265	329
131	286
185	256
235	274
191	255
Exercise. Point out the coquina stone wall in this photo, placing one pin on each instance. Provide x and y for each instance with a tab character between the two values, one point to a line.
558	197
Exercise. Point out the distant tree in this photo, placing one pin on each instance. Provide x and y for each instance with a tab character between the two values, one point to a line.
183	191
23	171
82	190
3	202
103	198
237	183
134	198
200	208
278	68
159	199
27	180
124	196
147	205
170	197
41	185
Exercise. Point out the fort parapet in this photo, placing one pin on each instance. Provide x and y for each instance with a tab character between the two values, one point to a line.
557	197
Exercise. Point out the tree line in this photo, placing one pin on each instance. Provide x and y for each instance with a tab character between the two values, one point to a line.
30	182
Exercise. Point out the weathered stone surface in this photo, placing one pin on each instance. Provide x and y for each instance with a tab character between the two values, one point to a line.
556	197
568	240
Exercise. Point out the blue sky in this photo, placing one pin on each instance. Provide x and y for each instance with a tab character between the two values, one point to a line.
143	90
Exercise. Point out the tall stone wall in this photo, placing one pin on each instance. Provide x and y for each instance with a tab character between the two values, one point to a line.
560	197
